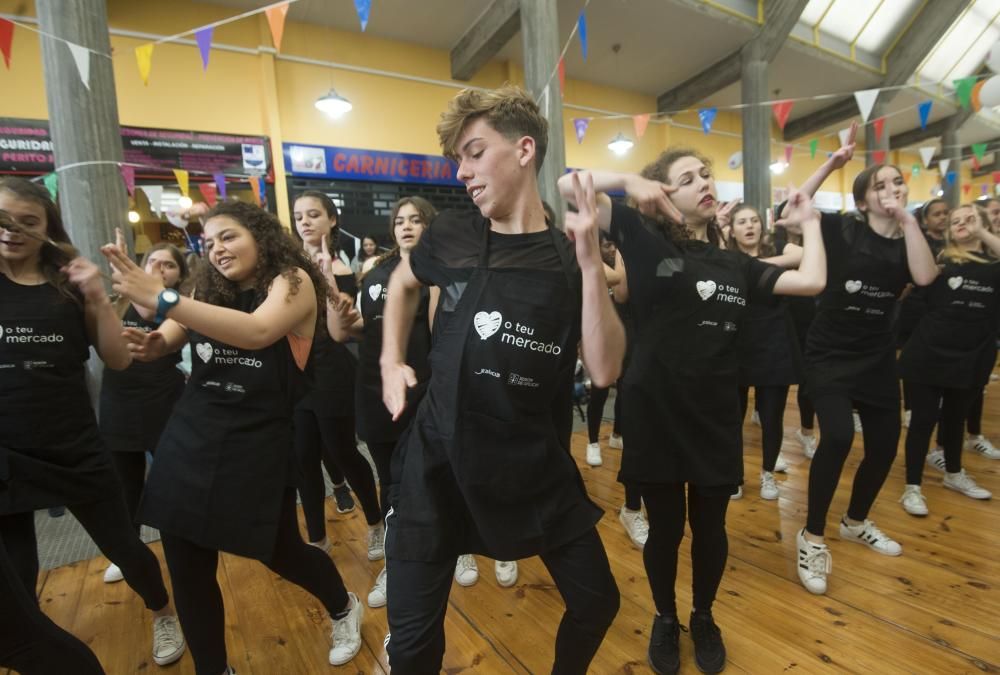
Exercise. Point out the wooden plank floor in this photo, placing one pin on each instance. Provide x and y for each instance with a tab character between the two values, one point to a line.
933	610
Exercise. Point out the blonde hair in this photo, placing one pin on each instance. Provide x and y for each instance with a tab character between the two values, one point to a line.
509	110
952	252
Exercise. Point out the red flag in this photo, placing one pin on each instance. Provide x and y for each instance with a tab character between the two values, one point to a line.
996	176
975	164
209	191
276	21
6	38
879	125
562	77
966	188
878	156
640	122
781	110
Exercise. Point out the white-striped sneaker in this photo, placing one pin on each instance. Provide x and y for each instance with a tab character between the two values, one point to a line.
506	572
935	459
594	454
466	570
635	526
615	441
982	445
168	640
780	465
814	563
808	444
913	501
113	574
962	482
768	486
376	542
346	633
377	595
866	533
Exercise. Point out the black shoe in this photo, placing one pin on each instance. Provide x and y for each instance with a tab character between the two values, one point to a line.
664	651
345	502
709	652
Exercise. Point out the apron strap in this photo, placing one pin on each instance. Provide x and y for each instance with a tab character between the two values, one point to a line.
558	240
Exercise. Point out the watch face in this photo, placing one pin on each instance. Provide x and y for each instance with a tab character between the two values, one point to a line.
170	295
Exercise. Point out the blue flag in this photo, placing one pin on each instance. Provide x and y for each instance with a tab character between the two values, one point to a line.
707	117
950	177
925	111
364	8
581	28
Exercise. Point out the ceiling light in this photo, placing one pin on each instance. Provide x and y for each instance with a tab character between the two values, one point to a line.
185	202
333	104
620	144
134	217
778	168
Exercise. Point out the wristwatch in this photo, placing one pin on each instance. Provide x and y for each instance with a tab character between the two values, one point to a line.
165	301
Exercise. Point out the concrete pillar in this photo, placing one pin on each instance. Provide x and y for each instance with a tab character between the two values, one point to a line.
540	41
871	145
950	149
756	134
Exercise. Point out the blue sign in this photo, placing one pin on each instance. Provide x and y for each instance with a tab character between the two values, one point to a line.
317	161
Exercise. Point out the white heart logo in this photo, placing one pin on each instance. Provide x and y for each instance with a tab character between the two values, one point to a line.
955	283
706	289
374	291
204	350
852	286
487	324
1	332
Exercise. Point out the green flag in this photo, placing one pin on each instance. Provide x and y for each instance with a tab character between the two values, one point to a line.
52	183
813	144
963	90
980	150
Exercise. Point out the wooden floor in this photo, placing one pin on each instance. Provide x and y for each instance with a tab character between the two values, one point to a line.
935	610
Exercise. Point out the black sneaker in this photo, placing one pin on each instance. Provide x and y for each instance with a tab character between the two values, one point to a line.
345	502
664	651
709	652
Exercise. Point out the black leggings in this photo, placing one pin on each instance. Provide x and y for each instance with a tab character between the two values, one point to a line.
948	409
382	456
110	526
770	405
419	592
807	413
665	508
131	468
881	436
975	415
330	440
30	642
595	412
193	571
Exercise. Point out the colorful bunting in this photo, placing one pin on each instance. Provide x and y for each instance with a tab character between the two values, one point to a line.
866	101
924	109
813	144
154	194
980	150
975	164
879	126
182	180
276	20
128	175
580	124
81	57
878	156
788	154
220	182
6	39
581	29
707	117
950	177
966	188
364	9
51	181
144	58
209	192
640	122
963	90
927	154
996	176
204	39
781	110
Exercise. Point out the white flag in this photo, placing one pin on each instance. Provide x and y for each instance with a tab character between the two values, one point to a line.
81	56
943	166
843	133
154	193
866	101
927	154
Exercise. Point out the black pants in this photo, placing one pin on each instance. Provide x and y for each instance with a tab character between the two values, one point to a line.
595	412
807	414
665	508
198	597
330	441
30	642
109	524
131	468
975	416
419	592
948	408
633	496
770	405
881	436
382	455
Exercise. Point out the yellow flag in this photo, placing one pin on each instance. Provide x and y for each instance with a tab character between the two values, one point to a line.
182	180
144	57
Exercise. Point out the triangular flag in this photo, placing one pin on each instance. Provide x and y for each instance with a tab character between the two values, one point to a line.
144	57
943	165
562	77
6	38
51	181
963	90
209	191
81	56
915	169
781	109
924	109
276	20
580	124
640	122
966	188
866	101
364	8
204	39
996	176
950	177
879	126
813	144
983	189
257	185
182	180
980	150
878	156
788	154
927	154
843	135
128	175
707	117
975	164
154	193
581	29
220	182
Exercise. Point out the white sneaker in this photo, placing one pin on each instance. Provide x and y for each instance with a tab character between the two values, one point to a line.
323	544
857	423
982	445
346	634
376	542
466	570
377	595
907	414
935	459
113	574
814	564
755	418
962	482
594	454
866	533
738	494
780	465
808	444
768	486
506	571
635	526
168	640
913	501
615	442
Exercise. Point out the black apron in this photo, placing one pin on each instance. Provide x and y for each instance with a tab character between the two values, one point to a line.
136	402
375	424
225	458
768	347
51	453
485	465
332	371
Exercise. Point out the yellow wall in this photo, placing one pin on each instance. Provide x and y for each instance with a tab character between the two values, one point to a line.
259	94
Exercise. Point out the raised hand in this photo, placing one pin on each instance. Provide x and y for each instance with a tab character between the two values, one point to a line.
846	152
798	209
653	198
896	209
86	276
130	280
324	261
581	226
724	214
120	241
144	346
